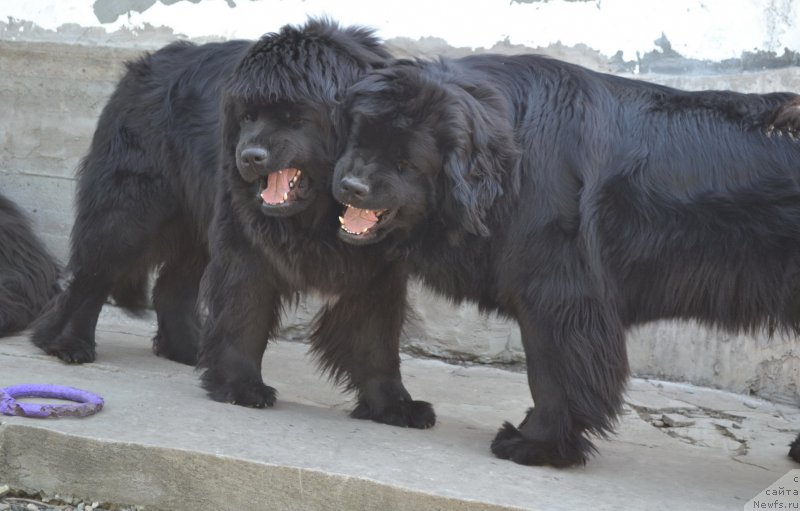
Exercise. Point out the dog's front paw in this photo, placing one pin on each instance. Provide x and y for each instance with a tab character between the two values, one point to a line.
252	394
403	413
74	354
70	349
182	352
510	444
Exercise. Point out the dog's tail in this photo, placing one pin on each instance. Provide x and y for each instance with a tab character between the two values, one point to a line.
28	273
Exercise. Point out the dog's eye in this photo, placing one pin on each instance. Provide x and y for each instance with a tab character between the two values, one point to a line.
293	119
248	117
402	164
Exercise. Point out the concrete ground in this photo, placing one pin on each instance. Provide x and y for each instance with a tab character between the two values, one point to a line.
161	443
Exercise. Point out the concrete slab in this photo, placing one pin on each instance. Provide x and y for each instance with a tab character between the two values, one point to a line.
160	442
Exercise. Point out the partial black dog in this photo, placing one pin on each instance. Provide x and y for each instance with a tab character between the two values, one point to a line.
274	231
579	204
28	272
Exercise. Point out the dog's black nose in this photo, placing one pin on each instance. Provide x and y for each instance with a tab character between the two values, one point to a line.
255	158
353	187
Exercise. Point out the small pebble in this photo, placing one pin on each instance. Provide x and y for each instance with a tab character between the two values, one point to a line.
751	404
32	507
674	420
4	489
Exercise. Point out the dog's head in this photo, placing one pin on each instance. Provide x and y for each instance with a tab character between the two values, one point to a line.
424	144
278	146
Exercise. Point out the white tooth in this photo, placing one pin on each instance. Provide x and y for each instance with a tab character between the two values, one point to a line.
298	173
285	196
341	220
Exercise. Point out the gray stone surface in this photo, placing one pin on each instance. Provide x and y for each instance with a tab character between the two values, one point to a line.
162	443
52	95
686	351
54	84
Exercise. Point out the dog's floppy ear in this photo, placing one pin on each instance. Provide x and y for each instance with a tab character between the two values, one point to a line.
479	155
340	121
229	131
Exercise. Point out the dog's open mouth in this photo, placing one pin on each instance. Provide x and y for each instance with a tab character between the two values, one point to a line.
282	191
362	224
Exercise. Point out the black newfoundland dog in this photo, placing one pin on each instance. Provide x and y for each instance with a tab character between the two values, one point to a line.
274	234
28	273
579	204
246	127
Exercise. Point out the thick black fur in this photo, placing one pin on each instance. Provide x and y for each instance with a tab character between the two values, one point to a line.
28	272
579	204
144	200
794	449
277	108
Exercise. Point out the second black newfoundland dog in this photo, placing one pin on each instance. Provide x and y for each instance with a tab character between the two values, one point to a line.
579	204
274	231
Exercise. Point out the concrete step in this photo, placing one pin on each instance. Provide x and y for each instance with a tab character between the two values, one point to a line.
160	442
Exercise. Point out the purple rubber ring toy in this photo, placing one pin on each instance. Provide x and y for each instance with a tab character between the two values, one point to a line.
86	402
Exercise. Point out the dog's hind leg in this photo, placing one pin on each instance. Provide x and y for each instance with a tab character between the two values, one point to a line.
357	342
175	301
66	328
116	225
577	370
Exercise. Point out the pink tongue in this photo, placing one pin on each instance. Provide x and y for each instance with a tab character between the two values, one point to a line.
358	220
277	186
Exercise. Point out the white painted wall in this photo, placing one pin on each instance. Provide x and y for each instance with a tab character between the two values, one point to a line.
700	29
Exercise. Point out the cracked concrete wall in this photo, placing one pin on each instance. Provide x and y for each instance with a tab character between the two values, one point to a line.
60	61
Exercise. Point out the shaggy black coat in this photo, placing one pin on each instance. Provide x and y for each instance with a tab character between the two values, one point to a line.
274	231
148	193
579	204
28	273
